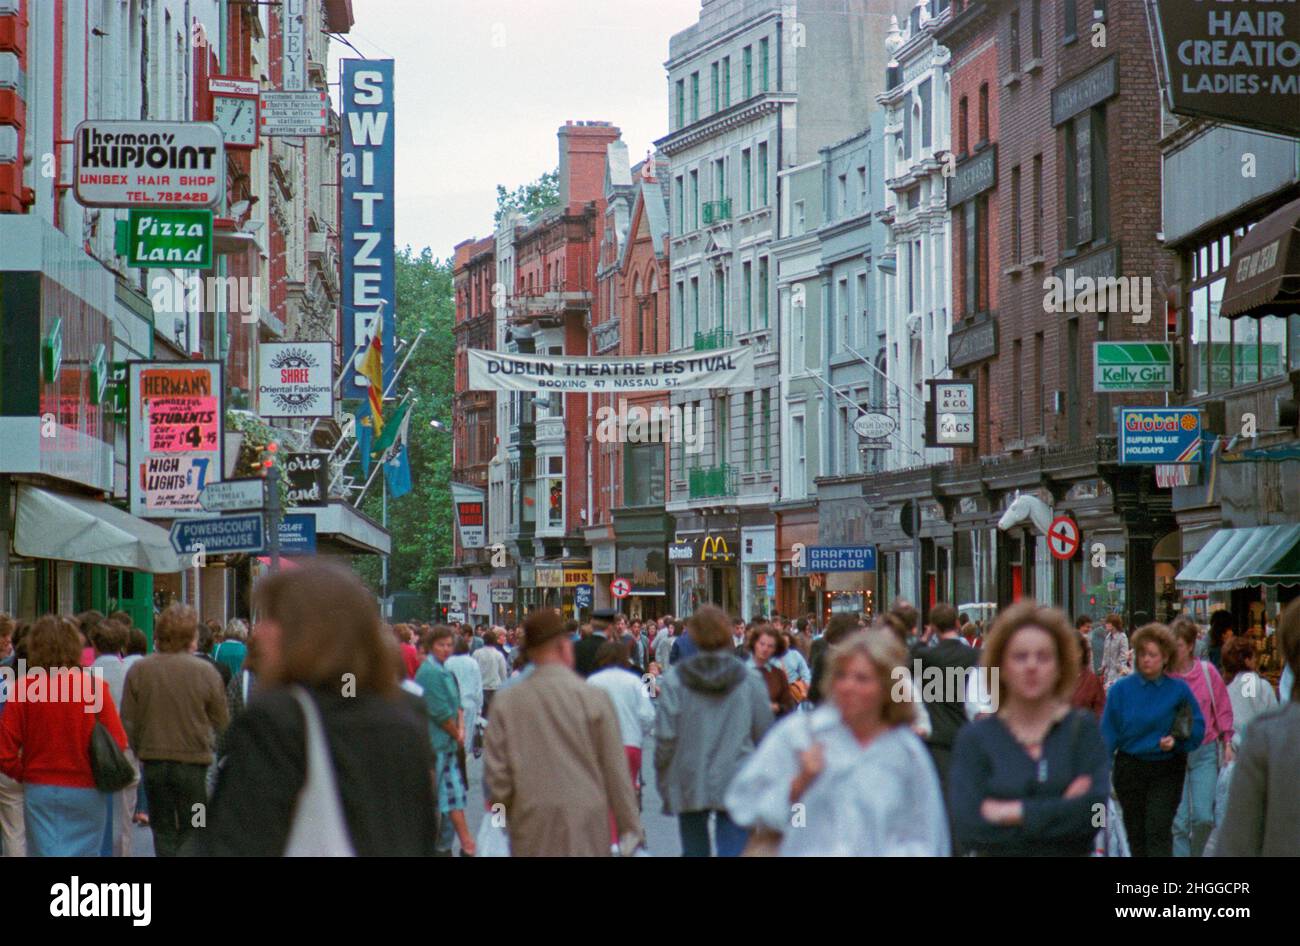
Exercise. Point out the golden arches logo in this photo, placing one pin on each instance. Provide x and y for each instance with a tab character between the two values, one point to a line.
715	547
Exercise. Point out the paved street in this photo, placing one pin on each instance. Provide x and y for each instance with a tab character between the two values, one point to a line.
661	830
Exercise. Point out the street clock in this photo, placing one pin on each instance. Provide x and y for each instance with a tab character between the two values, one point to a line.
234	105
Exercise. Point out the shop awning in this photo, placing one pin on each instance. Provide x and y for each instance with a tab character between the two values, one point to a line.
64	527
1264	272
1244	558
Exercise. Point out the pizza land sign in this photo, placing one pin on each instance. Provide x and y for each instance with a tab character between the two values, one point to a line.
1235	61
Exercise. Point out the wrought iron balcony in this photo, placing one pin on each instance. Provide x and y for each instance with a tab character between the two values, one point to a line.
707	481
716	211
712	341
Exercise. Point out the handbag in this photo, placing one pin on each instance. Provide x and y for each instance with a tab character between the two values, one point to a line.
319	828
1214	711
109	765
1182	728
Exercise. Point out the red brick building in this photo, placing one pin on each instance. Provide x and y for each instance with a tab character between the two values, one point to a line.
473	422
1074	196
552	305
629	531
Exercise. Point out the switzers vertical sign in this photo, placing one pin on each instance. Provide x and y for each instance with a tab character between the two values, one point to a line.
367	173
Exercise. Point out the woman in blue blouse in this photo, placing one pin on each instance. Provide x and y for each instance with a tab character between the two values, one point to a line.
1151	722
1029	779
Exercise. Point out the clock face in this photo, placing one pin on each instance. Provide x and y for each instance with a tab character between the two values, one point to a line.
237	118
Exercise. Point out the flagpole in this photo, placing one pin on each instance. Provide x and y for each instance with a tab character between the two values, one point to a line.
375	470
353	449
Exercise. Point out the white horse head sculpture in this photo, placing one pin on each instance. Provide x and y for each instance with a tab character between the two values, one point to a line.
1027	506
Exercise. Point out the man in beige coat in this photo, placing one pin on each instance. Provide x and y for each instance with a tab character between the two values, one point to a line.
554	757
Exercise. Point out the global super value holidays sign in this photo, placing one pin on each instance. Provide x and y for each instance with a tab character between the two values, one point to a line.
157	164
1159	435
366	169
1133	366
175	434
841	558
499	371
295	379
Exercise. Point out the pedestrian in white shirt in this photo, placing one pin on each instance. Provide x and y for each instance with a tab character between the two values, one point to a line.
469	678
636	714
492	666
1250	693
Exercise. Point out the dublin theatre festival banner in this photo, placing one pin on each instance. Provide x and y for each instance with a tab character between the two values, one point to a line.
500	371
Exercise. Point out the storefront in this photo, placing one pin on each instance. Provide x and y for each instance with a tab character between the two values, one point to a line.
641	557
565	585
796	530
502	592
706	563
758	572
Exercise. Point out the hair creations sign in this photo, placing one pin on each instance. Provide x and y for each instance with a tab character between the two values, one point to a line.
1234	61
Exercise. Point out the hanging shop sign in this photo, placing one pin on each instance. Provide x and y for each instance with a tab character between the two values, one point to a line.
366	170
1150	435
175	439
973	177
306	475
499	371
1132	366
1234	61
874	425
582	596
294	114
219	535
175	239
295	379
841	558
950	414
147	163
471	515
293	44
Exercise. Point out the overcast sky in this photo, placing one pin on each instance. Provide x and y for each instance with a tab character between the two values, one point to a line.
482	86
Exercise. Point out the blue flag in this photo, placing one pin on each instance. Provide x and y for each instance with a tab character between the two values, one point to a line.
365	435
397	472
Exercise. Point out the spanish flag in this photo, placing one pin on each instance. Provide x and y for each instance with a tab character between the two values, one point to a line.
372	369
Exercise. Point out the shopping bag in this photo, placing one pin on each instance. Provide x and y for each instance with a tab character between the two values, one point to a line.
491	840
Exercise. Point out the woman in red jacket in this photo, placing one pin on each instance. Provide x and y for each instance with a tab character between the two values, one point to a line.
1088	692
45	743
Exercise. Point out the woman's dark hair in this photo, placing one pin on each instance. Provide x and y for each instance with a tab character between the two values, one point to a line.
1220	623
329	627
109	637
612	654
1235	654
137	642
762	629
462	646
53	643
206	637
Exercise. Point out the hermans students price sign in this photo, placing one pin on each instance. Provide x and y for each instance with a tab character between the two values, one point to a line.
176	435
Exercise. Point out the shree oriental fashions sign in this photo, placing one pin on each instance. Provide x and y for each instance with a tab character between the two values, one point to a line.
1235	61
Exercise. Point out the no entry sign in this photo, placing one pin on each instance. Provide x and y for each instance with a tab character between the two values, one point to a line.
1063	537
620	587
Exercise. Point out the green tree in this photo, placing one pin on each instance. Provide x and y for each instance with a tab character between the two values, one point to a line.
530	199
421	521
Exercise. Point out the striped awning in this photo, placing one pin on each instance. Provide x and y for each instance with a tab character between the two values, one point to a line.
1244	558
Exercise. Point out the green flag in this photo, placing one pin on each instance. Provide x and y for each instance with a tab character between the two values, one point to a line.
391	427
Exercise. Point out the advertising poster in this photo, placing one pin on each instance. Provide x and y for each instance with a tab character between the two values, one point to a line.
175	437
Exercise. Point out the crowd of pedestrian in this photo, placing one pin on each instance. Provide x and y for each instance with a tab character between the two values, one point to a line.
325	731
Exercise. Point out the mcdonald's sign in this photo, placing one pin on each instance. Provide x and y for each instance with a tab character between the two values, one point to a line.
715	548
